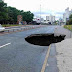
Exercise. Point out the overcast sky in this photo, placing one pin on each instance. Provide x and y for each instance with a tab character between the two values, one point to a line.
48	7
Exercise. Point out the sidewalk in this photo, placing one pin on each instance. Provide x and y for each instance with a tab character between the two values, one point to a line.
64	52
60	56
61	30
51	65
64	55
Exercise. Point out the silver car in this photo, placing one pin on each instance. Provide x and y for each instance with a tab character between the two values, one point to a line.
1	28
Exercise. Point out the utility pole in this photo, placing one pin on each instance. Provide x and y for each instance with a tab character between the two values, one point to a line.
40	11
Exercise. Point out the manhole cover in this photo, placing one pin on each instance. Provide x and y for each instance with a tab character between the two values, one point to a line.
44	39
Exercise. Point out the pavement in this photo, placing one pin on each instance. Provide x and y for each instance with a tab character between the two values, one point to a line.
63	56
61	30
60	54
17	55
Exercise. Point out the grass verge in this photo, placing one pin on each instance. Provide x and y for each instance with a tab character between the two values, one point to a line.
8	25
69	27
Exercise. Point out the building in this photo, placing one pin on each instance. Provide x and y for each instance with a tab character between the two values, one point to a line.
61	22
66	15
38	20
50	18
42	20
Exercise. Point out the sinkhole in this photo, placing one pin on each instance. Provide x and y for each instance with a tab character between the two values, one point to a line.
44	39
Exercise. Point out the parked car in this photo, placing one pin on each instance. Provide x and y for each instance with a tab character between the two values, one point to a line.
49	23
1	28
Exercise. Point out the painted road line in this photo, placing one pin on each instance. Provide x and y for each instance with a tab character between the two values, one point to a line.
45	61
5	45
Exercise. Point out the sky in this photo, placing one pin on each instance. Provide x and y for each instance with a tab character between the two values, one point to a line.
48	7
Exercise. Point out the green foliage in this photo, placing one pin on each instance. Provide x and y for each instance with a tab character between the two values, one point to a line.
0	0
8	25
3	12
12	14
27	16
67	23
70	17
9	14
70	20
69	27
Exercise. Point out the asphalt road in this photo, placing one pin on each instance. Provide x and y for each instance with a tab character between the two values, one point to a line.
16	55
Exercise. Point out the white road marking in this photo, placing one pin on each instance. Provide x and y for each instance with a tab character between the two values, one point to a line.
5	45
45	61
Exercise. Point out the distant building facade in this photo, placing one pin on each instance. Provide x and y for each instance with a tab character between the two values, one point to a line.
61	22
66	14
50	18
38	20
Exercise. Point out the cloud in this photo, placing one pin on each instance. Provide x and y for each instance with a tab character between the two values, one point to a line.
59	12
43	12
53	7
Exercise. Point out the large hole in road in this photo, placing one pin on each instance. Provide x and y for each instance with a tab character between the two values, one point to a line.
44	39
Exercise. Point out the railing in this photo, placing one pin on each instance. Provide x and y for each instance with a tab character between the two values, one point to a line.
16	29
20	29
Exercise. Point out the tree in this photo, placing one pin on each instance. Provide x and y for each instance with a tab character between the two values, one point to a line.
70	19
12	14
27	16
69	22
0	0
3	12
9	14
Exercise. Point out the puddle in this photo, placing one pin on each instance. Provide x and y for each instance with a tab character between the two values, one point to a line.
44	39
